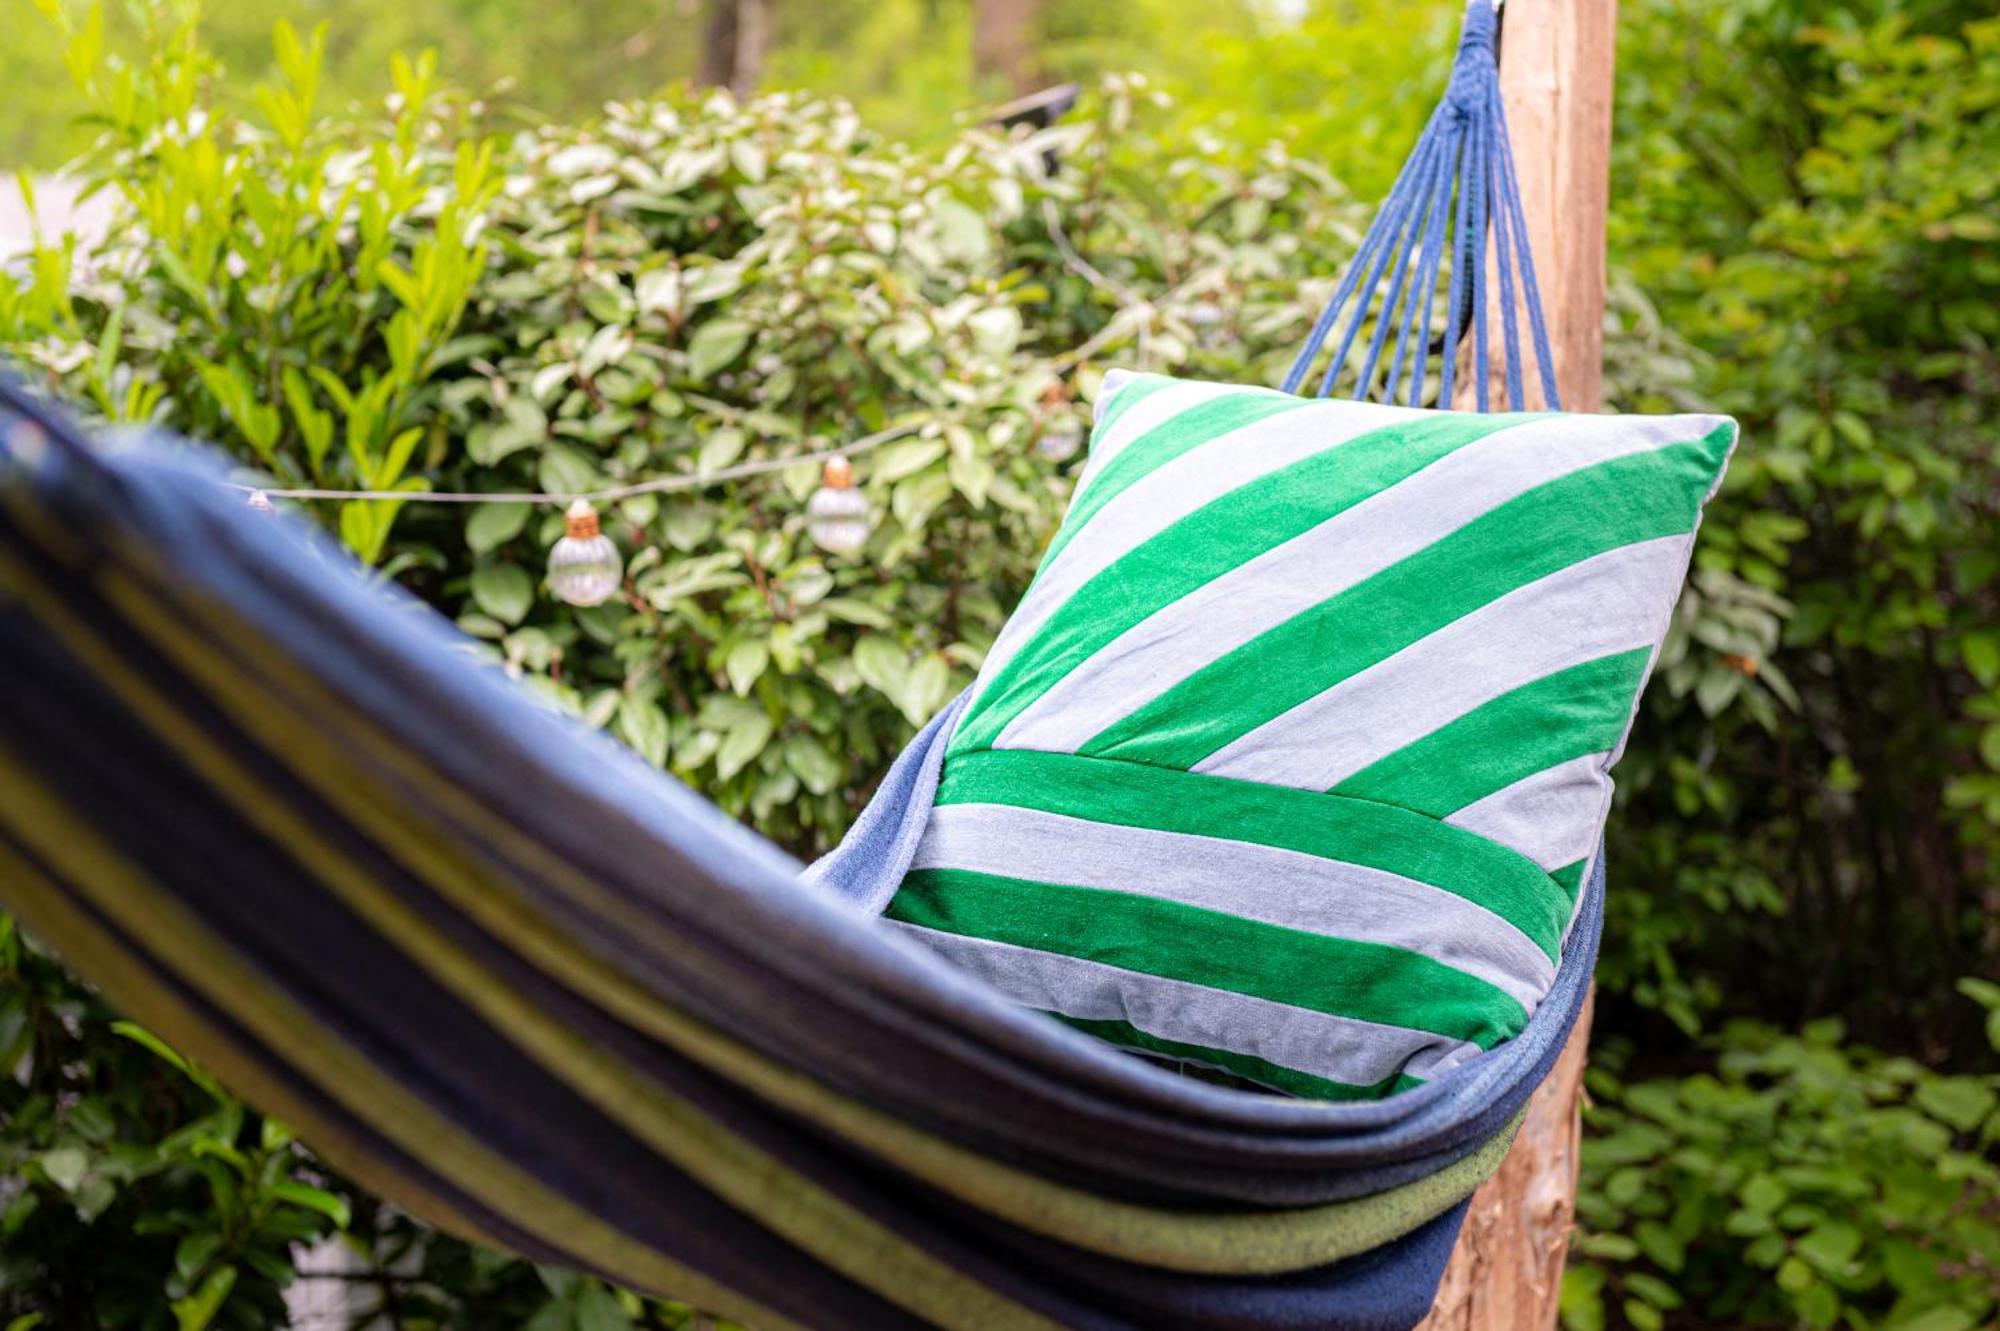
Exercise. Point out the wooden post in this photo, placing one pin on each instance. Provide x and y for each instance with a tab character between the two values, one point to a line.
734	43
1555	76
1003	43
1506	1273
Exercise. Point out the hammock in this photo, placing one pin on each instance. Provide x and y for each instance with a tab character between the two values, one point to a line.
506	975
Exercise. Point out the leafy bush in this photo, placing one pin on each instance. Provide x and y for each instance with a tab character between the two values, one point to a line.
682	287
409	301
108	1132
1804	1183
1809	197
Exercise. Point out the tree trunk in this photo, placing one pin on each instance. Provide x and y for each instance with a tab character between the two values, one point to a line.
1555	78
734	40
1003	43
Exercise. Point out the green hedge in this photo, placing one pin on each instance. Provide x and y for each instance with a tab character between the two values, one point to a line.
433	299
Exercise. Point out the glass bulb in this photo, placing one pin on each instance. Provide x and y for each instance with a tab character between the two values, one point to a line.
837	514
1060	440
584	567
1206	314
1210	323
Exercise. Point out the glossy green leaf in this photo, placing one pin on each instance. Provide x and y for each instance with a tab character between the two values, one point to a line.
503	591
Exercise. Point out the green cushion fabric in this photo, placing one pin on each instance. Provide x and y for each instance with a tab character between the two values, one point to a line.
1293	756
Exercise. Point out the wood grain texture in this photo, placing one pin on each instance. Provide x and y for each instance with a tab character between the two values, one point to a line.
1003	43
1506	1273
1555	75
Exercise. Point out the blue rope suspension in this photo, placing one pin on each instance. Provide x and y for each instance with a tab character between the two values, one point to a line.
1461	172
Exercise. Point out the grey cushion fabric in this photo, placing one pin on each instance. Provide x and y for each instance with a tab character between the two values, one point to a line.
1294	756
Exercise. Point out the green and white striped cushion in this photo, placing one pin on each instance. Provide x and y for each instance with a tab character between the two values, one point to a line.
1293	757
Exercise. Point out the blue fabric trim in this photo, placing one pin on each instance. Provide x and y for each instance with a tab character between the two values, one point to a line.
876	853
871	860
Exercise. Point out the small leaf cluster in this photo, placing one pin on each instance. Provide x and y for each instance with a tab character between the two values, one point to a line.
411	297
110	1132
1806	1182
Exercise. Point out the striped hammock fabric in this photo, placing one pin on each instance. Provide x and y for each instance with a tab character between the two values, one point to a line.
521	984
1293	758
1292	763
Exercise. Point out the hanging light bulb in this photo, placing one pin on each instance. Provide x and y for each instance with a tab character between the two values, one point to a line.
1206	314
837	514
1211	324
1060	440
584	567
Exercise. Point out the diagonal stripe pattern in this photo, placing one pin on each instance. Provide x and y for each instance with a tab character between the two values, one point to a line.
519	983
1215	792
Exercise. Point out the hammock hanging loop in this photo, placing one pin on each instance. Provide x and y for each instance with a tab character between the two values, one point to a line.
1476	61
1457	190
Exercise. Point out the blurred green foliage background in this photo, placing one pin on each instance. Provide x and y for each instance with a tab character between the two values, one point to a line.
1795	1101
1346	82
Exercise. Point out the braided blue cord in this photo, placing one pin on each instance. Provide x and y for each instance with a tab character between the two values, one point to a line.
1419	205
1426	283
1474	250
1461	172
1427	280
1372	257
1461	269
1348	281
1389	225
1510	331
1545	363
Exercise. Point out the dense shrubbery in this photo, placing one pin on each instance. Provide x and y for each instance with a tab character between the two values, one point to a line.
678	288
1801	1182
425	300
1830	246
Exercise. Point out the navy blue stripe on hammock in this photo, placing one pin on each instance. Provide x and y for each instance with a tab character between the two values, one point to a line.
324	928
399	673
504	775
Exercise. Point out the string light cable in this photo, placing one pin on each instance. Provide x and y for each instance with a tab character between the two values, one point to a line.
1134	315
585	568
610	494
